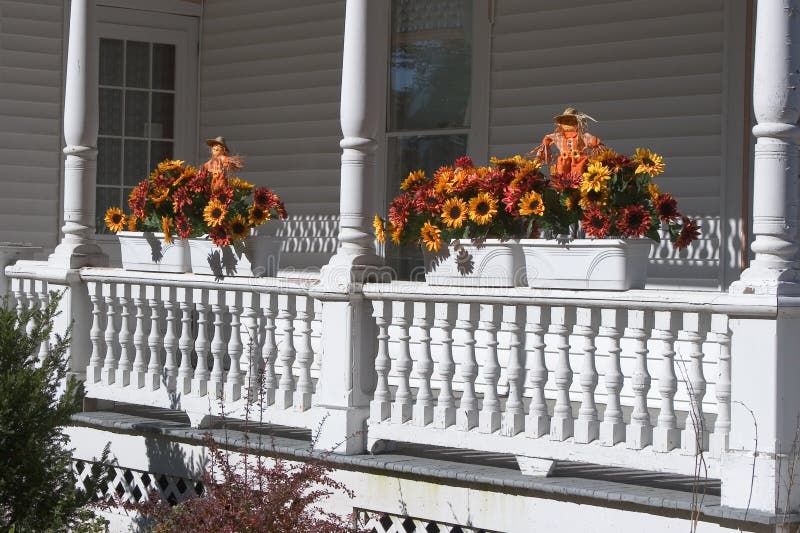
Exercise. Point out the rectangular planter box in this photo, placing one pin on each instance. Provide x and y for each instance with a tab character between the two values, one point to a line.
147	252
600	264
492	263
258	256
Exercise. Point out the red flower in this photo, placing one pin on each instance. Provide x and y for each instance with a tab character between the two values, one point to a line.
182	226
220	235
138	199
180	199
464	162
667	207
224	195
399	210
426	200
200	183
634	221
689	232
570	180
595	223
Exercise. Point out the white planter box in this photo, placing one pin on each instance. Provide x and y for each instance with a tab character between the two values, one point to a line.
146	251
493	263
602	264
258	255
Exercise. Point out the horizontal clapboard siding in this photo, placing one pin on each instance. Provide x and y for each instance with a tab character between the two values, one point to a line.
650	72
31	41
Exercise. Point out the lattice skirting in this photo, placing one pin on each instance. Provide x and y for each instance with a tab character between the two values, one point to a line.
378	522
127	485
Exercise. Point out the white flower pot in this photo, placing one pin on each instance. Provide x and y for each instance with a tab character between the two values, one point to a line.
147	252
602	264
492	263
257	255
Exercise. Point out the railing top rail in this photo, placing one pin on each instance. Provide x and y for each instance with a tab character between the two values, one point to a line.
648	299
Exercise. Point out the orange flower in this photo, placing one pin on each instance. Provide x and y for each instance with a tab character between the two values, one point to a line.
531	204
431	237
166	228
215	213
115	219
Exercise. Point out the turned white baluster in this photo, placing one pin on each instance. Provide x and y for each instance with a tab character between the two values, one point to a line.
401	407
20	298
612	326
695	437
666	436
235	377
33	302
44	300
269	350
285	394
109	371
155	341
126	350
562	424
96	336
587	426
423	407
168	297
380	406
444	414
255	366
722	427
489	417
639	431
219	347
514	417
467	413
139	373
316	331
305	355
186	341
202	345
536	322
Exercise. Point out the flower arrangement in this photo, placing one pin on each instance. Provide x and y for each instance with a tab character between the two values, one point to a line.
178	199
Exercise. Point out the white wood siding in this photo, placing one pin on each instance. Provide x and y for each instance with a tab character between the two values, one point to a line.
31	40
651	72
270	84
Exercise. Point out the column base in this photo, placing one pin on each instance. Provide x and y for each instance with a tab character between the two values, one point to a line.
444	417
639	436
611	433
379	411
537	426
561	428
586	431
75	255
759	279
343	431
666	439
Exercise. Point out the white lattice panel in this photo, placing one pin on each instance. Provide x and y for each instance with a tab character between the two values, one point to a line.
134	486
377	522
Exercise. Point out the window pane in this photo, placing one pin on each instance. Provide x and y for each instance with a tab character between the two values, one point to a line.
135	161
163	116
111	60
163	66
110	112
136	113
106	197
159	151
137	64
109	161
430	56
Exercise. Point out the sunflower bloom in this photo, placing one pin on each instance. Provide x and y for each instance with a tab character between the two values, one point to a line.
689	232
166	229
240	184
159	196
431	237
412	179
395	232
257	215
596	176
188	173
591	197
132	223
215	213
482	208
454	212
653	191
115	219
667	207
531	204
648	162
634	221
170	164
596	223
380	233
238	228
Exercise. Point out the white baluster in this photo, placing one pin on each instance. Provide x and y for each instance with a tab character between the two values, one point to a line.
317	332
139	373
186	341
305	355
255	366
401	407
489	416
126	350
562	424
168	297
285	394
695	437
18	287
33	302
94	369
722	427
423	407
536	323
666	436
444	414
155	341
109	372
269	350
44	300
514	417
612	326
235	378
380	406
639	431
202	345
467	413
219	347
587	426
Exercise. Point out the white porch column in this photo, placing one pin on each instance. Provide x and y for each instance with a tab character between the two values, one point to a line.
776	102
78	247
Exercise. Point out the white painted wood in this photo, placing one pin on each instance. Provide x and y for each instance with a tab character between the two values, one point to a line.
694	438
444	414
125	364
423	406
219	347
251	319
186	341
467	413
202	344
489	416
234	378
587	426
537	423
305	354
284	396
722	426
96	336
514	415
612	326
562	423
139	369
171	305
666	436
639	431
111	335
380	406
269	350
402	404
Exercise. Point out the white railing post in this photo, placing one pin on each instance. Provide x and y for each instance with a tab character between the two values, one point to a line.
612	326
536	324
666	436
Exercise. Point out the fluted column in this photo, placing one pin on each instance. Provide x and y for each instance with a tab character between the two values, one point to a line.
78	247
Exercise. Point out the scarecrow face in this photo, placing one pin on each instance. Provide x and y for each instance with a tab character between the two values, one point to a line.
217	150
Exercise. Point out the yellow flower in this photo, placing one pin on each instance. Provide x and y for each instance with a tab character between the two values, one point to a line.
166	227
653	191
596	176
508	161
593	198
394	232
431	237
454	212
482	208
240	184
257	215
239	228
169	164
380	233
570	200
159	195
132	220
649	163
444	179
188	172
115	219
214	213
606	155
531	204
414	177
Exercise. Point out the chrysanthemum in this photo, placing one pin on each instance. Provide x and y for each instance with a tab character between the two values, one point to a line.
132	223
596	176
180	199
215	213
238	228
224	195
689	232
482	208
431	237
182	226
454	212
413	178
166	229
633	221
257	215
137	200
531	204
426	200
240	184
400	209
464	161
115	219
648	162
219	235
262	197
380	232
667	207
568	180
596	223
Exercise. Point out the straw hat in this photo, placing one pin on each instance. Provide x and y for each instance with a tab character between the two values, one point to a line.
572	117
218	140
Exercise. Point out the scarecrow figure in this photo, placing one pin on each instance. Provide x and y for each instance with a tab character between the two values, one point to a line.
221	163
573	142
